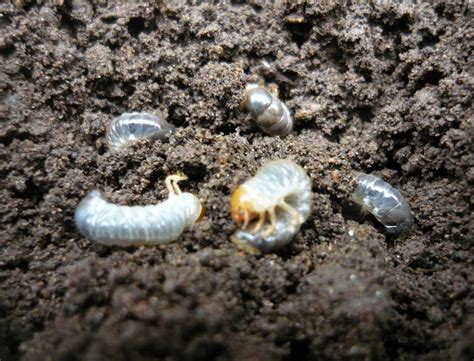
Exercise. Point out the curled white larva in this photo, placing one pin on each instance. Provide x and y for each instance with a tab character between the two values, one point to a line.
271	114
384	202
271	206
110	224
132	126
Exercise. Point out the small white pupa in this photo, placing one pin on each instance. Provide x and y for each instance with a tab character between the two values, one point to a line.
132	126
385	202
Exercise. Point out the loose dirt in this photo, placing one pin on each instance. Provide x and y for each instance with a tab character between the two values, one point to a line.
384	89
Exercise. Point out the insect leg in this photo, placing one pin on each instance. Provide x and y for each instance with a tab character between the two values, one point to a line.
171	182
294	214
246	219
259	224
271	228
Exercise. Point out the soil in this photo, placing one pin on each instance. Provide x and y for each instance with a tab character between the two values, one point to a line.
382	88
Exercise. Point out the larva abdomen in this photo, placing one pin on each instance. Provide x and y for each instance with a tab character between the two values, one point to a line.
385	202
271	114
132	126
110	224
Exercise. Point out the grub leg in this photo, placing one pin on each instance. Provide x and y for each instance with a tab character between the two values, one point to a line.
295	216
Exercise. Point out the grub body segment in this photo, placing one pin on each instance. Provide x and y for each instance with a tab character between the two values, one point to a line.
104	222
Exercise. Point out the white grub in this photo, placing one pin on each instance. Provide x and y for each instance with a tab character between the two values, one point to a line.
110	224
385	202
271	114
132	126
271	206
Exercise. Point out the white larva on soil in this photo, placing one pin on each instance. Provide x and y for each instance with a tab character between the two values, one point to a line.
271	114
384	202
110	224
271	206
132	126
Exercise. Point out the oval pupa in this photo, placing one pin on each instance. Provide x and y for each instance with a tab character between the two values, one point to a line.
132	126
383	201
271	114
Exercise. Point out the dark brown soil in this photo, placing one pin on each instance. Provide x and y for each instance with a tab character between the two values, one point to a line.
383	89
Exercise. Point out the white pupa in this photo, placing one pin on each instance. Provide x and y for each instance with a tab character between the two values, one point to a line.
384	202
132	126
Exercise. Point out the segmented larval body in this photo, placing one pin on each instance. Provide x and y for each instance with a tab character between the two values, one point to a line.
384	202
271	206
132	126
111	224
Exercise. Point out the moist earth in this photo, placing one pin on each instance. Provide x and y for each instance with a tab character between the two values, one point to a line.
383	88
